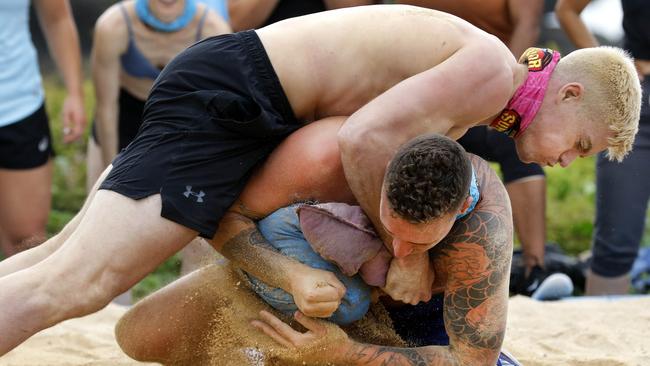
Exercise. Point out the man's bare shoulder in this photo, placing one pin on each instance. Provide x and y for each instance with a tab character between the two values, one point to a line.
491	69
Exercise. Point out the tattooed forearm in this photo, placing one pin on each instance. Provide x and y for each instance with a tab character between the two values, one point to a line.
476	256
364	354
252	253
477	270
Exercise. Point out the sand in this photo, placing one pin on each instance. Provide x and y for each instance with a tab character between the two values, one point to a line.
84	341
580	332
593	332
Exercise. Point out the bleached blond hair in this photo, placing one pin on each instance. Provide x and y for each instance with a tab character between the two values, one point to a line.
612	92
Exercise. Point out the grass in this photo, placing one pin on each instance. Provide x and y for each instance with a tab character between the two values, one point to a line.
569	214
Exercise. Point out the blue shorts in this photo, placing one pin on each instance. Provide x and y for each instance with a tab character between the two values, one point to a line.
418	325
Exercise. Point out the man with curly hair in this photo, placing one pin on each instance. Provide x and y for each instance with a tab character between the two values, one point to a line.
430	195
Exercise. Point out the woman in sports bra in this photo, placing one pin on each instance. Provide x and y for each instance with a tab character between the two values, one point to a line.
133	41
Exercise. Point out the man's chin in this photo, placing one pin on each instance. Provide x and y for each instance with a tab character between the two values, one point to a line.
524	156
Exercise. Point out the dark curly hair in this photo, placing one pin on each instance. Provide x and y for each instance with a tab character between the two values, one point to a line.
428	177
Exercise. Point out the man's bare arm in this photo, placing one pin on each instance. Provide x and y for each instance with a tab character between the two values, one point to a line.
434	101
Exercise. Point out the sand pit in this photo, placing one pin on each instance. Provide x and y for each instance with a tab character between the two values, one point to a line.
83	341
594	332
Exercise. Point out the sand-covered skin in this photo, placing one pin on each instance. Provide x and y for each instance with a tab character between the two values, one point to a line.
594	332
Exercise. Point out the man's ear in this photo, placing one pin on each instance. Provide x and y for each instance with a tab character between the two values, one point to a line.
571	91
466	204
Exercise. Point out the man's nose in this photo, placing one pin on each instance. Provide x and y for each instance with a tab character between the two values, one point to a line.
567	158
401	248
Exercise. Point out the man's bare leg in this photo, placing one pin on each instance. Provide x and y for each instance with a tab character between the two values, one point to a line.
597	285
34	255
116	243
180	323
528	198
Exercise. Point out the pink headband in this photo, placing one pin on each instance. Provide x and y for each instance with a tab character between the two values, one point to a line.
523	106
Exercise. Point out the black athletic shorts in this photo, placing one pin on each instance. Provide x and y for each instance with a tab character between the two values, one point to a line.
216	111
129	119
26	144
495	146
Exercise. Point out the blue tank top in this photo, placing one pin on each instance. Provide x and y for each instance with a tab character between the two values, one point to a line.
21	90
133	61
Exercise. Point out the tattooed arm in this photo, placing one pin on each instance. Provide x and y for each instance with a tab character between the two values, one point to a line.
475	257
474	260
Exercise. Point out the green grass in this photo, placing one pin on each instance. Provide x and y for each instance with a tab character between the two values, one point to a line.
569	215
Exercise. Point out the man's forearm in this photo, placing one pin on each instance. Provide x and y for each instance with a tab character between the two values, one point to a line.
368	354
248	250
63	43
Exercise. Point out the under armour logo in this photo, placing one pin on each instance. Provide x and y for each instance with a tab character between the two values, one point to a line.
43	144
199	196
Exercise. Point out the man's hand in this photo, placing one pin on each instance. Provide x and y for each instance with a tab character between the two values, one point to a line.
531	261
317	293
74	118
410	279
321	343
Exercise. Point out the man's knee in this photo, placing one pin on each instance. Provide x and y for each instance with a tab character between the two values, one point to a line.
25	235
137	345
13	242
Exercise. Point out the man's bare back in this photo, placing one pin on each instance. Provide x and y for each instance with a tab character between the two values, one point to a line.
325	72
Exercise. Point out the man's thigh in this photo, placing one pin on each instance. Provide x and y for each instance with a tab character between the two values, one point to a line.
117	242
